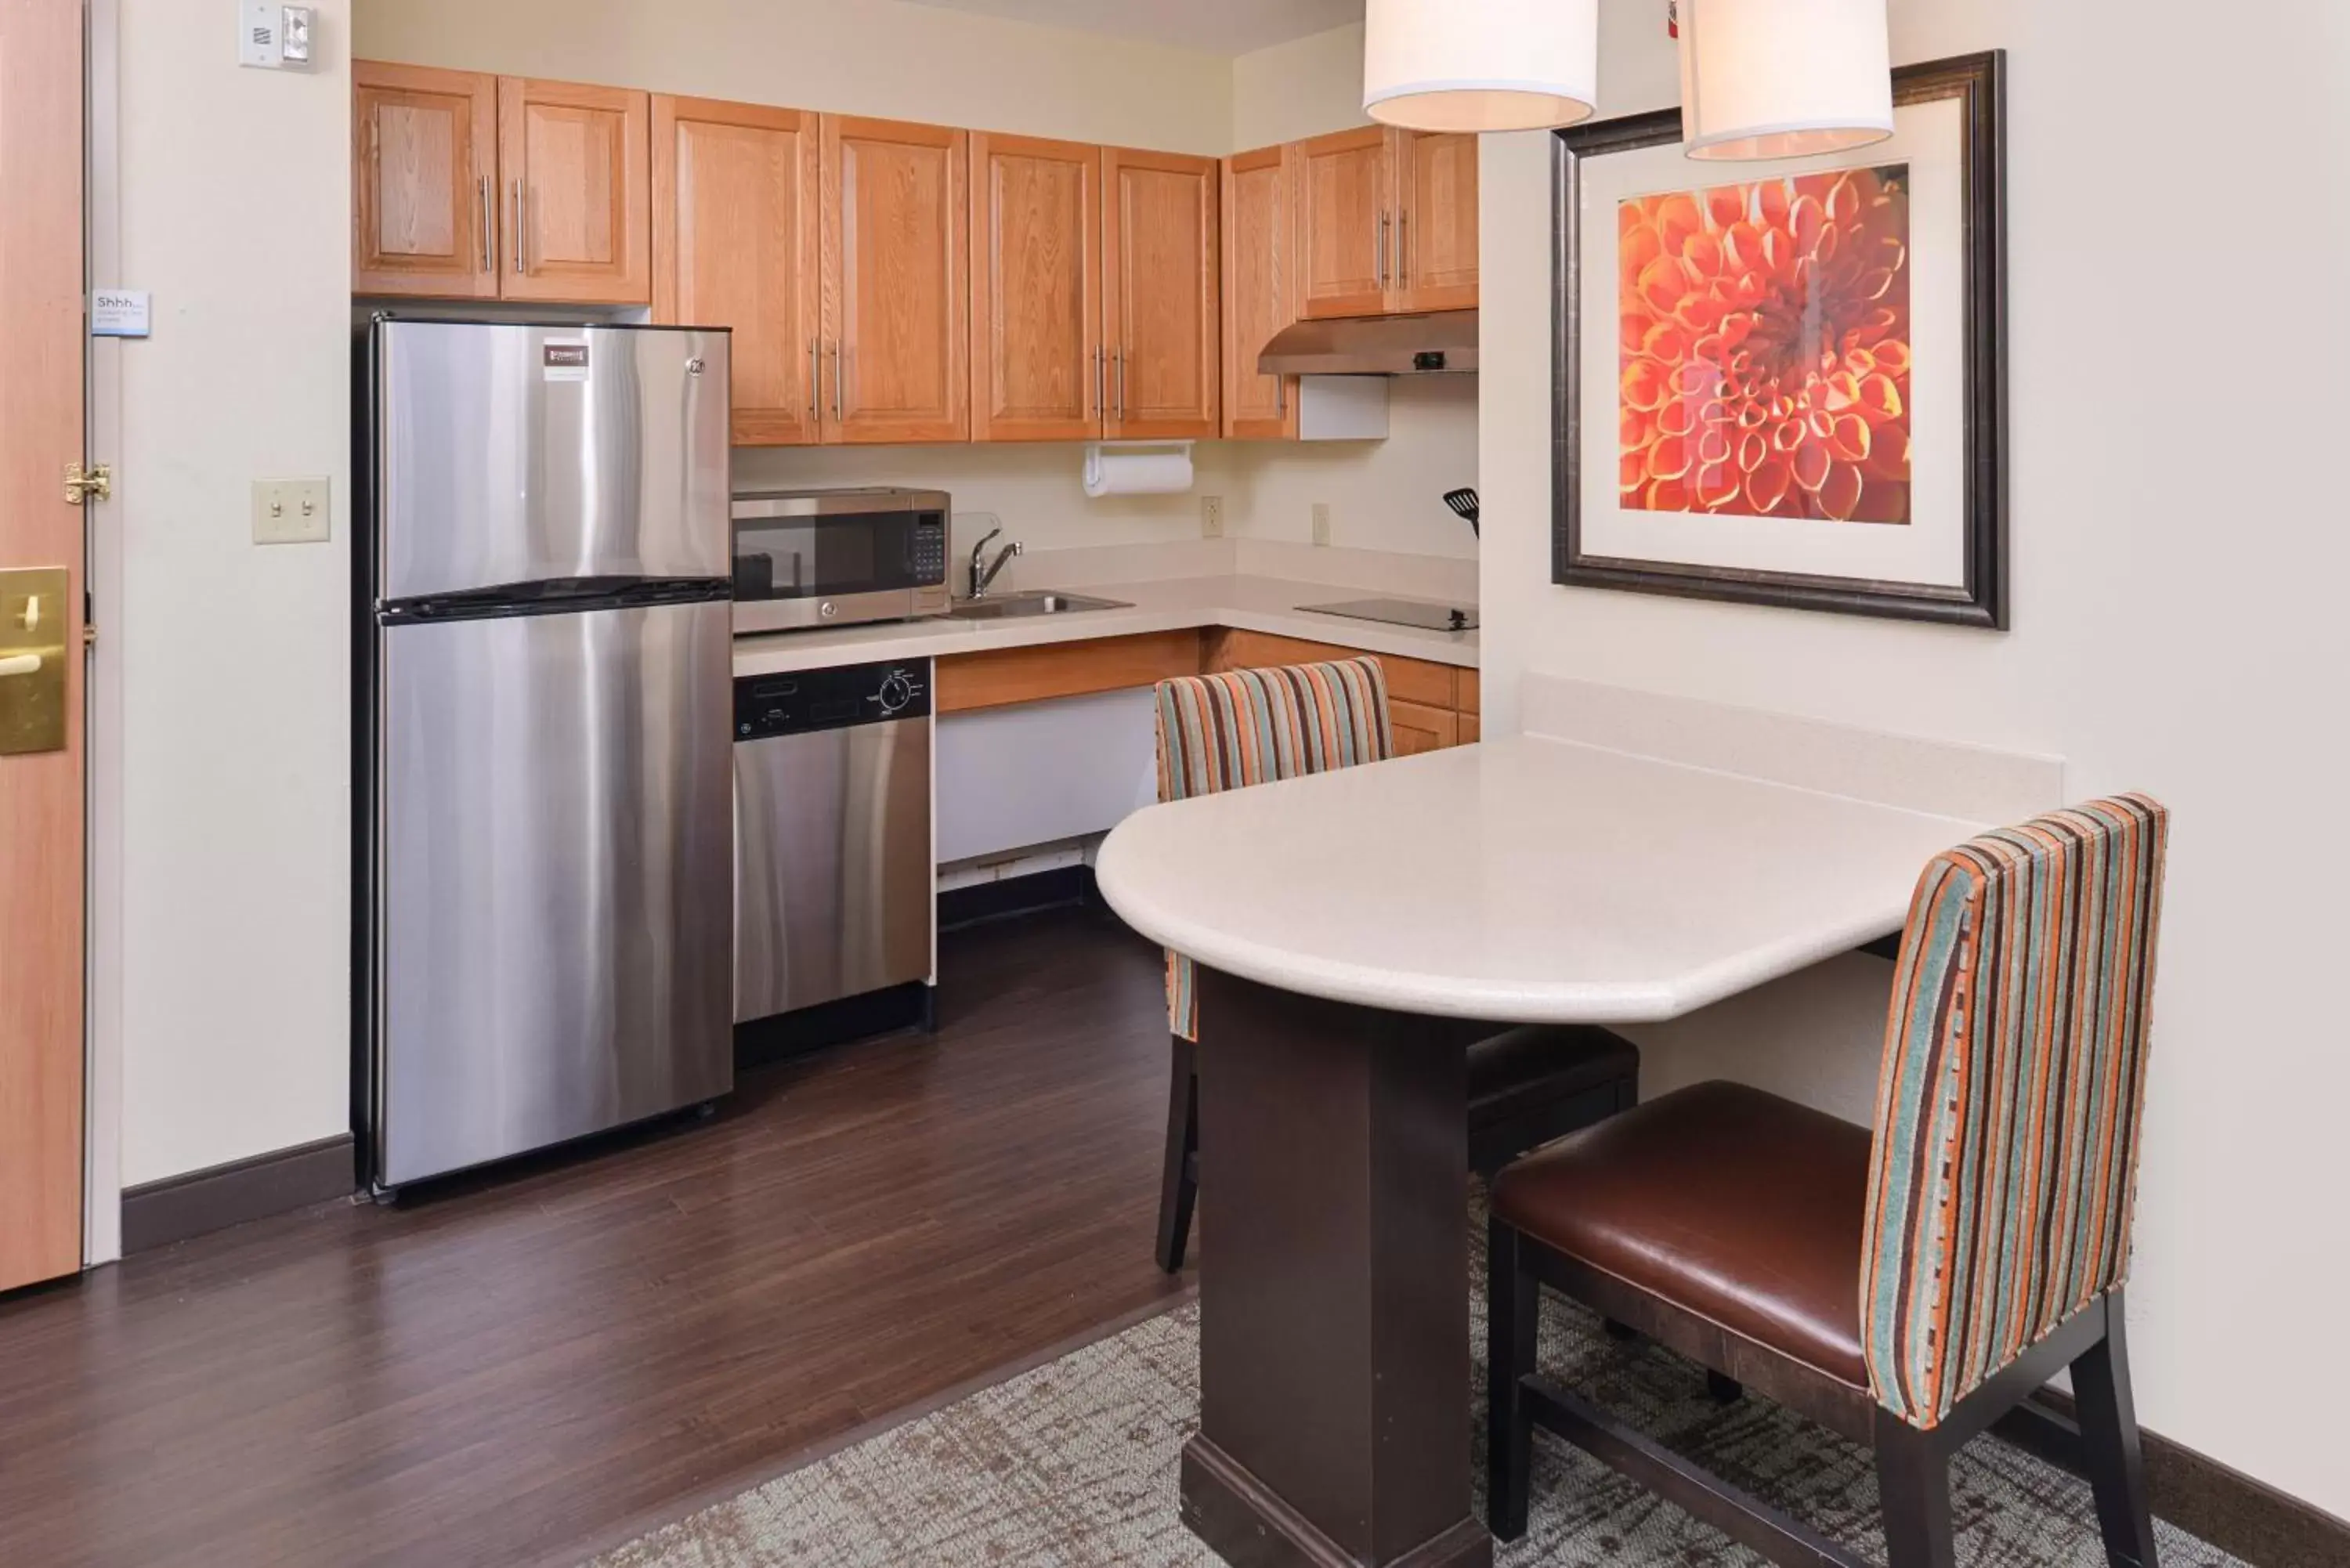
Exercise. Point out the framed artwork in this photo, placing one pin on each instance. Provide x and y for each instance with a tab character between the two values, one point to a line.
1784	383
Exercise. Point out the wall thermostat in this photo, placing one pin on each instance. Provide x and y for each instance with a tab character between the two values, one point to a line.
274	36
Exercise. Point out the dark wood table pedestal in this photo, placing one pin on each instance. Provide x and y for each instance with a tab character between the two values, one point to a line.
1334	1286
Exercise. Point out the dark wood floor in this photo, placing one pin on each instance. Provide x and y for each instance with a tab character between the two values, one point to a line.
524	1368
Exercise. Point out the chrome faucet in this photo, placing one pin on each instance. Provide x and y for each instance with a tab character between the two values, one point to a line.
981	573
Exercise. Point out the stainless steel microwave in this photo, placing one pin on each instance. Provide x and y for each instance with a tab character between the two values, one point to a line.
836	557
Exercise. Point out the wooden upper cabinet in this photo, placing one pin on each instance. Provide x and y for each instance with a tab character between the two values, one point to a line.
1346	186
1036	364
736	226
1260	289
573	168
897	282
1162	263
424	151
1435	266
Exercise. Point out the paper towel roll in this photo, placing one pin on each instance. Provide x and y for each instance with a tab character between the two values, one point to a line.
1137	470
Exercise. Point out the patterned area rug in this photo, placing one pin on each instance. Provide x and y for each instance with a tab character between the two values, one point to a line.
1074	1465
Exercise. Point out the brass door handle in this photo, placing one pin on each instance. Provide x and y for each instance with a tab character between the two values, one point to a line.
20	664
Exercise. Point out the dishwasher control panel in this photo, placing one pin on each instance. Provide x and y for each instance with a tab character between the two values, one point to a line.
807	700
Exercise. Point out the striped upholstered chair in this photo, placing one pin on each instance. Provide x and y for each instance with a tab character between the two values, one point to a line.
1906	1289
1223	732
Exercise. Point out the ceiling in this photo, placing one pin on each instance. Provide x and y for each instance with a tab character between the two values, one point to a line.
1219	26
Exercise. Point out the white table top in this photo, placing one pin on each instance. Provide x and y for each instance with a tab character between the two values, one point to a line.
1525	880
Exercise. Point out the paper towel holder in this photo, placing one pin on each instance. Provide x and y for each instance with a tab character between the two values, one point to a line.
1091	464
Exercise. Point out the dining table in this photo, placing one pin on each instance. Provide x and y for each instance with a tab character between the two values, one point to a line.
1355	932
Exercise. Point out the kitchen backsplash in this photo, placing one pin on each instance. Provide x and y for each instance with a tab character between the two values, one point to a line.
1383	496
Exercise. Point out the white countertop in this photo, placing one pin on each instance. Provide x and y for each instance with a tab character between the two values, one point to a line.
1180	604
1525	880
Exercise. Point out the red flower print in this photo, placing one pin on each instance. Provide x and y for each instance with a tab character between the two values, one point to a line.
1764	343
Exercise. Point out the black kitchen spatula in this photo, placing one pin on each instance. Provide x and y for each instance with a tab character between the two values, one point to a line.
1464	502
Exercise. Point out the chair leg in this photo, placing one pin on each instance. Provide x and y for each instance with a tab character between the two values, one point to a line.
1914	1475
1179	1189
1512	1318
2108	1417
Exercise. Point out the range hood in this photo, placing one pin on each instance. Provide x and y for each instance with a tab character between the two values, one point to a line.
1444	341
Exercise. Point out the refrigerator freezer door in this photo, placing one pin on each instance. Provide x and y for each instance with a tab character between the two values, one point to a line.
555	937
511	455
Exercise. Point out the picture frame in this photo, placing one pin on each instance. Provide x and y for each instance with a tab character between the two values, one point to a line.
1848	453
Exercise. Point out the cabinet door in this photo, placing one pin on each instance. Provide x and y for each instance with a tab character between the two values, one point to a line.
897	282
423	177
1422	729
1436	222
1165	328
1260	290
574	166
1346	185
735	229
1035	296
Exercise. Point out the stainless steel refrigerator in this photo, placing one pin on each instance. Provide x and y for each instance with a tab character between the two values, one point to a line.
546	872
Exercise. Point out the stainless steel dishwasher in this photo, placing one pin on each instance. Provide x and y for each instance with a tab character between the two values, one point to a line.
834	892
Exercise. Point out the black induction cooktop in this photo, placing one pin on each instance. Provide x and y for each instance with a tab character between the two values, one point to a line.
1401	612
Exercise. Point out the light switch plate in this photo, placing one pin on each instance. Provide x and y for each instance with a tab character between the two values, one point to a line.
290	511
1211	517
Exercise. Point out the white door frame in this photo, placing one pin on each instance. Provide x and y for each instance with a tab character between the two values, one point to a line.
103	759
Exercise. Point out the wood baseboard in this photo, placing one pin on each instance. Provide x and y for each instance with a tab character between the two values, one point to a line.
2247	1518
158	1213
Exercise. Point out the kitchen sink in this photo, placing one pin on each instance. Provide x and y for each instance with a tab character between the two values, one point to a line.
1020	605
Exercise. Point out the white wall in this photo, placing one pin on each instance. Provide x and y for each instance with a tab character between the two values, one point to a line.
2178	560
1304	88
235	211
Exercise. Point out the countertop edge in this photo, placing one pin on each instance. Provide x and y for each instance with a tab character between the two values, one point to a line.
779	653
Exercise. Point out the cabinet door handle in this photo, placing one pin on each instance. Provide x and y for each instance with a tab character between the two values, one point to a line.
1101	382
816	376
1281	397
519	268
489	224
1121	386
1385	272
839	373
1403	250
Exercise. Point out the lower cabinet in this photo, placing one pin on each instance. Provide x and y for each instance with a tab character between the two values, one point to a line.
1430	706
1422	729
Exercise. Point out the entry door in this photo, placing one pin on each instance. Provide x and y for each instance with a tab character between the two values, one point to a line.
41	793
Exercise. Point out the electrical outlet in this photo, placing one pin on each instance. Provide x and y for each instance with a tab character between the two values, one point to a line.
1211	517
290	511
1321	522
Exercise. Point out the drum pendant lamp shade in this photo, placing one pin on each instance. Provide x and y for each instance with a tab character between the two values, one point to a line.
1783	79
1480	64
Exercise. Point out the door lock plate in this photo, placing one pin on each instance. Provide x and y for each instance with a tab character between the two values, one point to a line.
33	633
95	483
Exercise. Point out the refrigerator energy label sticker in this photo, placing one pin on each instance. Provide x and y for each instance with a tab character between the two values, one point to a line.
566	361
